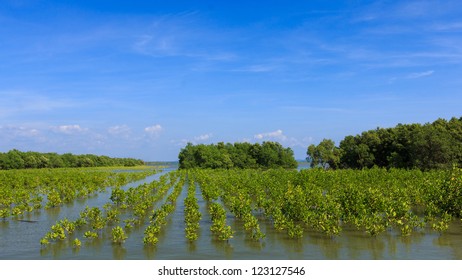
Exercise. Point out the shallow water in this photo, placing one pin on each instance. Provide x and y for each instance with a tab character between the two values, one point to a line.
20	239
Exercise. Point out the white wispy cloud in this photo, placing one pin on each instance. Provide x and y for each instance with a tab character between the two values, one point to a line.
18	131
203	137
420	74
194	140
69	129
412	9
405	10
307	109
259	68
278	134
427	29
119	130
156	45
447	26
280	137
181	35
153	130
15	102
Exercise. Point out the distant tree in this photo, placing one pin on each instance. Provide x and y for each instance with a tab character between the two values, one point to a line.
242	155
238	155
325	154
55	160
30	161
15	159
187	157
269	155
428	146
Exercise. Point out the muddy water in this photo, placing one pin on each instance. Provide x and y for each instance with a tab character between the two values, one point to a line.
20	240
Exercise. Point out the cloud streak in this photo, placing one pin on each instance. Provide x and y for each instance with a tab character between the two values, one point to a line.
271	135
181	35
420	74
203	137
69	129
18	131
17	102
119	130
154	130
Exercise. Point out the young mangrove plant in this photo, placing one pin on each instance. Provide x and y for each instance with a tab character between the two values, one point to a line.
90	234
219	227
76	243
150	235
192	214
118	235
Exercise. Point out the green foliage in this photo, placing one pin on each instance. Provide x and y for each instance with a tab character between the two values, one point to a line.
117	196
112	216
90	234
159	216
77	243
67	226
447	196
429	146
44	241
15	159
251	225
373	200
23	191
4	213
192	214
95	218
118	235
325	155
150	235
219	227
54	199
238	155
442	224
57	232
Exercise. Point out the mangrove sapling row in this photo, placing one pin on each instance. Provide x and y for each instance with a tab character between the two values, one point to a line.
157	221
90	234
133	203
23	191
139	200
237	199
159	216
219	227
192	215
240	190
374	201
58	231
211	192
92	218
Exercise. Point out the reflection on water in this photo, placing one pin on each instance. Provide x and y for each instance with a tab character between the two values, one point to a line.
223	248
149	252
350	244
119	252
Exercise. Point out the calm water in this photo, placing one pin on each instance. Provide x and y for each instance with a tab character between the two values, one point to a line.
20	240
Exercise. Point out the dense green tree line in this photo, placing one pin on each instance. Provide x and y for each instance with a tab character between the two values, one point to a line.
15	159
237	155
428	146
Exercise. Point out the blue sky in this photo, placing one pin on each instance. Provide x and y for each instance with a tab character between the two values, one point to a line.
143	78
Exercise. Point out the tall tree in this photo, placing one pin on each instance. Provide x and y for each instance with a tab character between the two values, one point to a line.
325	154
